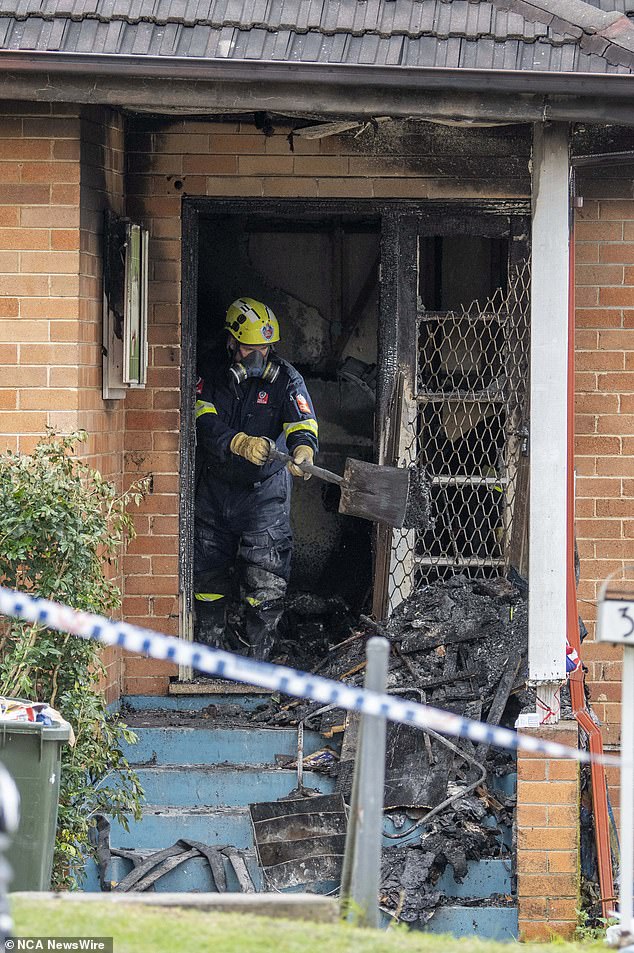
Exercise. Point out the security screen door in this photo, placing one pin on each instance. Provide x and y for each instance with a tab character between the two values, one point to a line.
453	397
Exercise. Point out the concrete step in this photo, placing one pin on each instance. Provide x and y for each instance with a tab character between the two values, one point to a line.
162	826
487	922
295	906
485	878
246	700
223	785
182	745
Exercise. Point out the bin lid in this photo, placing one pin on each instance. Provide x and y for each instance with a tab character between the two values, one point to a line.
57	732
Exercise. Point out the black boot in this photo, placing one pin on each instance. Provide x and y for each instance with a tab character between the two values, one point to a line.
209	627
261	628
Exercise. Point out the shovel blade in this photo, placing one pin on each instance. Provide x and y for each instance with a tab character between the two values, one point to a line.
375	492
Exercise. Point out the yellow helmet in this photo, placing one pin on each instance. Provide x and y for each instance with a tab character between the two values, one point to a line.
251	322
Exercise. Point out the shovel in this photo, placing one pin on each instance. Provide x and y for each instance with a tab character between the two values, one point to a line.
373	492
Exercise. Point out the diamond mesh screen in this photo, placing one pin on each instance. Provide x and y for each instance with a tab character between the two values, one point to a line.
468	431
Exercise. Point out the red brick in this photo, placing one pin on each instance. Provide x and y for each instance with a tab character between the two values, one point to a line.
544	839
138	585
598	317
616	210
167	525
165	565
153	544
532	908
532	861
50	172
617	251
597	445
562	770
604	691
562	861
24	195
600	231
615	382
599	361
137	666
545	792
531	770
616	297
539	931
617	340
146	686
563	909
616	424
547	885
586	252
599	274
9	307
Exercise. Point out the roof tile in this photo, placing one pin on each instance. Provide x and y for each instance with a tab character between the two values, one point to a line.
479	20
584	35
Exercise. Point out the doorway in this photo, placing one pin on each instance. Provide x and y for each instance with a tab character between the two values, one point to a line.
353	285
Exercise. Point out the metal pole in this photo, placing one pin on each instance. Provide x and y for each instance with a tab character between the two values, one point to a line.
362	861
627	797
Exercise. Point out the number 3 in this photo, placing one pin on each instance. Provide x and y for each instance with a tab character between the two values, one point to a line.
625	612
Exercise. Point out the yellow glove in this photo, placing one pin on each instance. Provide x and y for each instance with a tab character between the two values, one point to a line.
301	454
254	449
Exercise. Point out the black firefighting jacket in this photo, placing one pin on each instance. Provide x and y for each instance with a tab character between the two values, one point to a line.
281	410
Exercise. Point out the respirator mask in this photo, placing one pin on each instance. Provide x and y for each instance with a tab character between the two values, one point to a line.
254	365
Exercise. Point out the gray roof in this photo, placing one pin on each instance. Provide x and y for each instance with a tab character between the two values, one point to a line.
587	36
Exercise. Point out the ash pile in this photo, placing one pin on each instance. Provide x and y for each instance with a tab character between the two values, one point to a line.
460	645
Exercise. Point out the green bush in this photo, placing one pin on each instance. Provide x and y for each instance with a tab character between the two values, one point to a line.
62	523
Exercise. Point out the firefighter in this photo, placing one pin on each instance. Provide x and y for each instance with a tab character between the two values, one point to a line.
247	396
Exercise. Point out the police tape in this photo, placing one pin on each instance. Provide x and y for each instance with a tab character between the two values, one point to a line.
277	678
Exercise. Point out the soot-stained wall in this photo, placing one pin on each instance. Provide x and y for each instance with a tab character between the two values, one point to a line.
321	280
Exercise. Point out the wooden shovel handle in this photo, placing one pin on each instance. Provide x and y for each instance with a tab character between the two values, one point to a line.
319	472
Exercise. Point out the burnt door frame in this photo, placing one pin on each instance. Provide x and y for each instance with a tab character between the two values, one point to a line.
399	223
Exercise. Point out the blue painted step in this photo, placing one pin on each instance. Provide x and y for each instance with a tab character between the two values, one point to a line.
193	876
239	769
486	922
484	878
162	827
182	745
199	786
504	784
246	701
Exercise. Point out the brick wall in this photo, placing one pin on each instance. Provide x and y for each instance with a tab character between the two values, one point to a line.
53	163
168	159
548	875
39	269
605	418
102	186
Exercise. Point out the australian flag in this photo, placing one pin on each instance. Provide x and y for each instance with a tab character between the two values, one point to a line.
573	662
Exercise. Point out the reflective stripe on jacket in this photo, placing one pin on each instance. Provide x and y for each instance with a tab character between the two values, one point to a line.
281	410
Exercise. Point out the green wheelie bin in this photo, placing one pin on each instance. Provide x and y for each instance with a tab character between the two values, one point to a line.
32	753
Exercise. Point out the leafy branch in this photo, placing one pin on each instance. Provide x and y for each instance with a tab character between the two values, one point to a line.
62	525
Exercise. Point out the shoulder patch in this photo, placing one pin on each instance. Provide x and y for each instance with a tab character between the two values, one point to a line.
200	383
302	403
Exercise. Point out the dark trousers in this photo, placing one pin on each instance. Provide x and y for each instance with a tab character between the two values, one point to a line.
246	530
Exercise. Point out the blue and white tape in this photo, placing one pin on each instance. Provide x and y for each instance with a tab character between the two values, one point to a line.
277	678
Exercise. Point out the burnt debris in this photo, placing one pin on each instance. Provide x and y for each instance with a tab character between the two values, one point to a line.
461	645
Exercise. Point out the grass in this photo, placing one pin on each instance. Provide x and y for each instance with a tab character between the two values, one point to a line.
138	929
